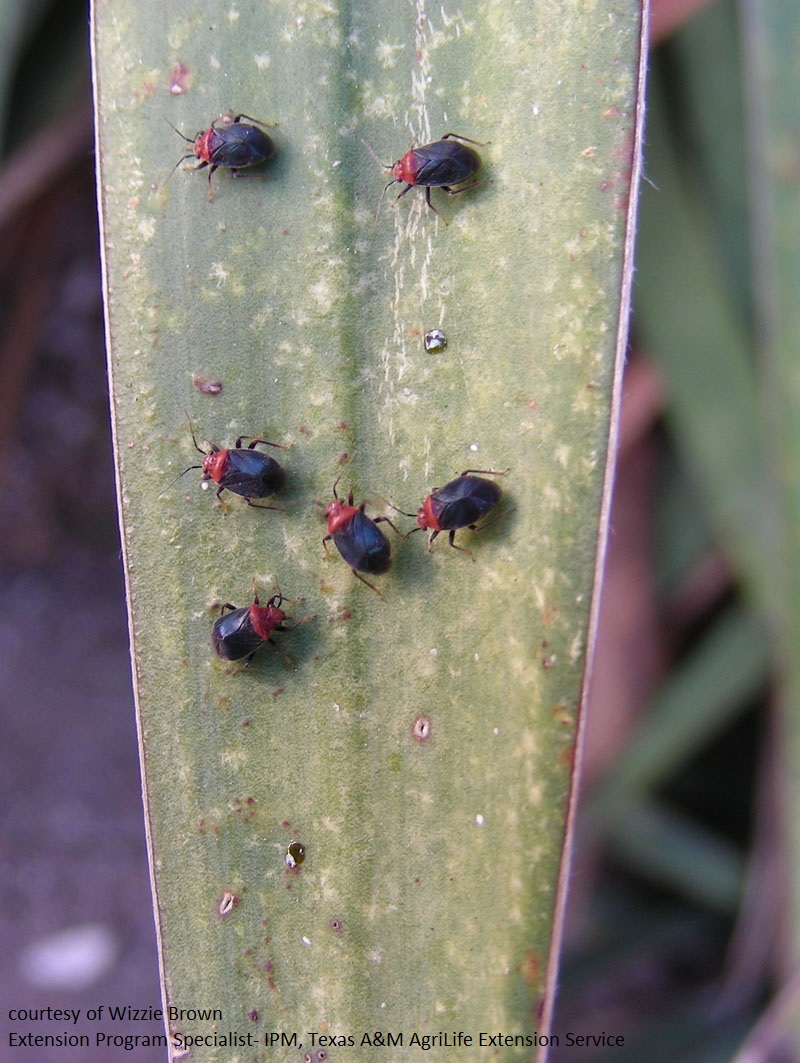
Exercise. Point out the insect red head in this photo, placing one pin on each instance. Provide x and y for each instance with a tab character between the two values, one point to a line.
425	515
406	169
265	618
338	514
214	465
203	146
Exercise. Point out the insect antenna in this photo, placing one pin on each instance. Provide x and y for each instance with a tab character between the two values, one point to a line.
180	474
183	158
194	440
189	140
199	451
397	509
386	166
380	162
346	461
404	512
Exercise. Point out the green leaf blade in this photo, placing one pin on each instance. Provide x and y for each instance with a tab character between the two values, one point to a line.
429	889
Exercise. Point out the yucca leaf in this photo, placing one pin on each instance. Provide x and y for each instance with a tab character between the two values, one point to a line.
428	893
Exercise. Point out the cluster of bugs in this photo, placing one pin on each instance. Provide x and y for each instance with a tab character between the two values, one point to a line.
448	163
238	143
254	475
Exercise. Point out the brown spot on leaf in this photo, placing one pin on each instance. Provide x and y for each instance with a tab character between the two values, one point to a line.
531	968
180	80
421	729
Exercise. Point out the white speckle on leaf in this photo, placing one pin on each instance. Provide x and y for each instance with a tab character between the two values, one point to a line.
378	107
293	546
573	248
219	273
321	293
234	758
526	745
560	351
387	53
319	399
576	648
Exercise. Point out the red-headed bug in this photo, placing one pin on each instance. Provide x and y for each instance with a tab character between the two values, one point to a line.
231	143
442	164
244	471
461	503
238	633
357	537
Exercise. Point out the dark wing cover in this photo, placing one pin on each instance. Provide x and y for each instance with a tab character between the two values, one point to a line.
238	145
464	501
363	545
233	635
445	162
252	474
